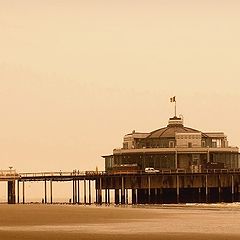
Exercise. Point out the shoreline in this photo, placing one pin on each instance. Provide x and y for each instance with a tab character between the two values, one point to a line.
180	205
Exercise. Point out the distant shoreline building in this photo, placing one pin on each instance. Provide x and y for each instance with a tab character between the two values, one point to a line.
174	147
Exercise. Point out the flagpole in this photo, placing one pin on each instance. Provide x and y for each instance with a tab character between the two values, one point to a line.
175	108
173	99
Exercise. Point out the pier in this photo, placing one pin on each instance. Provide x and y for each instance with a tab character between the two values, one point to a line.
166	186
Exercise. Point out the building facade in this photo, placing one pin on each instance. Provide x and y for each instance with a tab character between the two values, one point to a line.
174	147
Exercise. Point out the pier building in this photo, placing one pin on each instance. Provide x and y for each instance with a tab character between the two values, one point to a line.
173	147
174	164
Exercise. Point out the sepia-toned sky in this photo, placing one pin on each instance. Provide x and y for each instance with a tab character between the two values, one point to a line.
75	76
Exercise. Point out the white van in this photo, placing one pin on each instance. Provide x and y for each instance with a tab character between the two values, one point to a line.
151	170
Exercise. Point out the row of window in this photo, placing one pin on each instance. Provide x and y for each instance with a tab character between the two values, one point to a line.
168	160
188	137
170	144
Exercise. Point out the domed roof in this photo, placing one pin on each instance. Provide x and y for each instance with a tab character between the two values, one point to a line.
175	125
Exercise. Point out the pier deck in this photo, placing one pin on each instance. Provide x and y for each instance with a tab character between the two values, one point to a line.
166	186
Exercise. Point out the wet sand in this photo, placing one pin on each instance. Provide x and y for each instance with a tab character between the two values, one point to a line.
36	221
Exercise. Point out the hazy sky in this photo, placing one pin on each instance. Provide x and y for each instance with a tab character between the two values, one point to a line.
75	76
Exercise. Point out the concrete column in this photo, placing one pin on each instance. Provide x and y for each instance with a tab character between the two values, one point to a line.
219	188
126	196
208	155
149	189
78	192
73	191
106	196
199	195
178	190
133	196
238	190
23	189
89	192
85	191
96	189
109	200
176	160
155	195
122	192
136	196
116	196
161	195
11	192
51	199
206	188
144	162
45	191
232	178
100	190
18	195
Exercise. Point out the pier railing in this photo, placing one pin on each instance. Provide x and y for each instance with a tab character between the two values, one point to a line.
52	174
120	172
173	171
8	174
12	174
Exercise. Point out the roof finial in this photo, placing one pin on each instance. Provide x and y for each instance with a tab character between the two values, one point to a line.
173	99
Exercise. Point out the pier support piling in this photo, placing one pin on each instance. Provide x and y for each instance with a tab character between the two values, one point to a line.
73	193
232	191
23	192
51	197
45	191
199	195
122	192
18	194
136	196
149	189
100	191
78	192
219	189
116	196
133	196
126	196
178	191
85	191
106	196
96	194
206	188
11	192
109	197
89	192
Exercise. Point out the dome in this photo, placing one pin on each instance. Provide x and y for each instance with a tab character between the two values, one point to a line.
175	125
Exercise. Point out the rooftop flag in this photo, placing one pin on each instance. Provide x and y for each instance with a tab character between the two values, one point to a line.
173	99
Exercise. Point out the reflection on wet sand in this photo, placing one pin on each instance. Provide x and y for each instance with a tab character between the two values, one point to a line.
89	222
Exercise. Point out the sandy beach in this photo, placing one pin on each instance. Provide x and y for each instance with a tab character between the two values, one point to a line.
36	221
